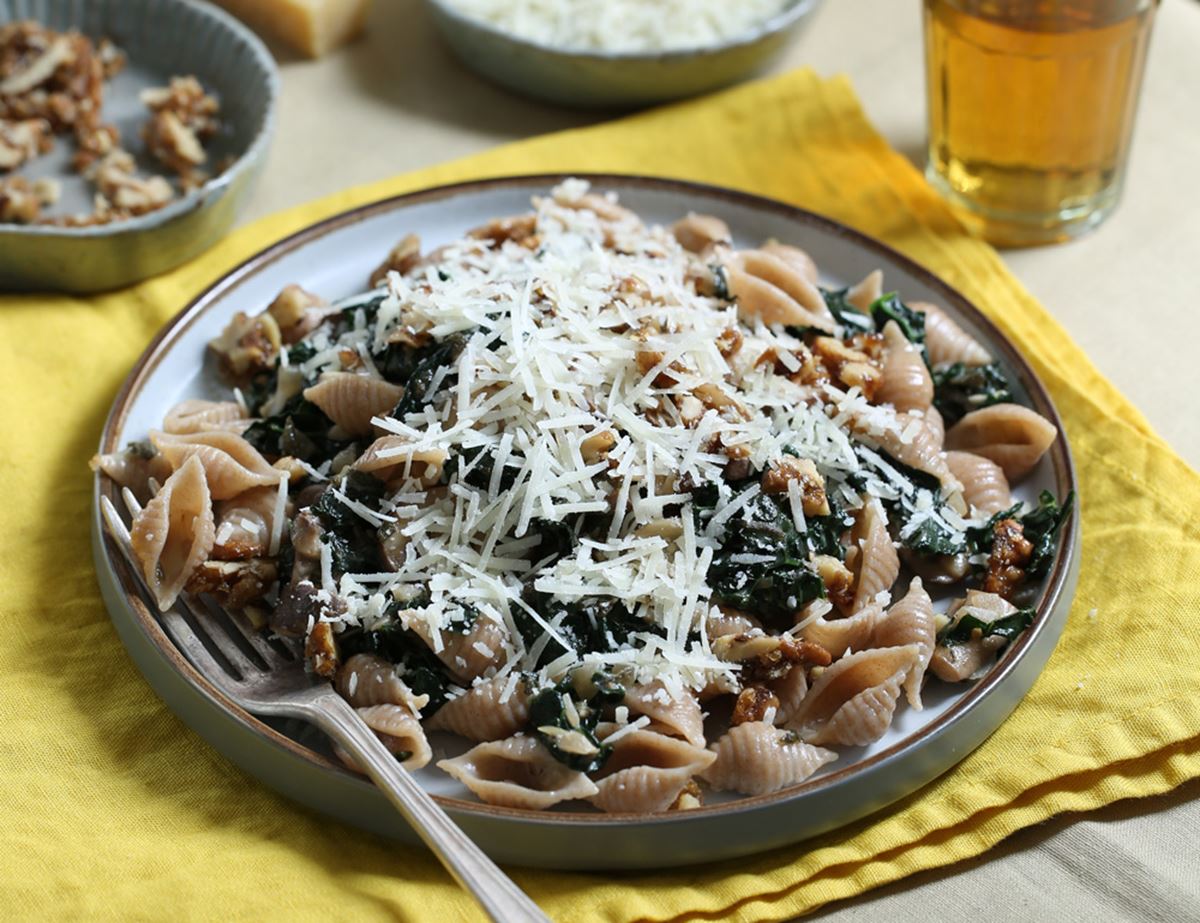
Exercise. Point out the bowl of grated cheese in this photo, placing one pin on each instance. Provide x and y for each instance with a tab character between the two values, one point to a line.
618	53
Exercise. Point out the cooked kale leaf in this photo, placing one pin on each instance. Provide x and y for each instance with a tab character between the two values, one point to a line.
762	563
912	323
958	389
300	429
1007	628
353	542
418	383
595	624
852	320
548	709
1040	527
423	673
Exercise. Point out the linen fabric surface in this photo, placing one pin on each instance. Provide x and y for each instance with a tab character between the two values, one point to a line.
116	810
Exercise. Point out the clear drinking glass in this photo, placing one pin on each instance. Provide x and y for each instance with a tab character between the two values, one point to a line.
1031	109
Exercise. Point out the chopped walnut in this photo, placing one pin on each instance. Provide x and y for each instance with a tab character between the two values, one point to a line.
729	342
520	229
23	140
689	799
116	178
767	657
753	704
321	650
852	367
297	312
838	580
21	201
1006	564
597	446
804	472
235	584
182	118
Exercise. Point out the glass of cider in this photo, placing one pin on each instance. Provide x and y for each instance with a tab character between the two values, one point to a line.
1031	109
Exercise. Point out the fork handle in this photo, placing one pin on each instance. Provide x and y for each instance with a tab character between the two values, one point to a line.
496	892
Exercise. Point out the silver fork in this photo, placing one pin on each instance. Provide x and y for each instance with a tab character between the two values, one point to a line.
279	686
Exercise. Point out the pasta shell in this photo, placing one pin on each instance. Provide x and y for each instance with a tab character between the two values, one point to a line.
935	424
838	636
481	713
906	384
790	689
231	465
922	451
758	299
517	773
173	534
699	232
392	457
399	730
730	622
864	718
955	663
205	416
946	342
866	292
796	258
756	758
351	401
130	468
467	654
675	716
785	276
367	679
910	621
877	564
245	524
841	682
1012	436
646	772
985	488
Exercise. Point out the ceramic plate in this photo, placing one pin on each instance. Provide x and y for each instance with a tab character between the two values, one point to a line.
334	258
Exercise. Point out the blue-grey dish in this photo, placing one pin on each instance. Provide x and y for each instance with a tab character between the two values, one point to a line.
595	79
161	38
333	258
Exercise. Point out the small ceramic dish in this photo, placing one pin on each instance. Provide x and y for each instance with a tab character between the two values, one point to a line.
597	79
161	39
334	258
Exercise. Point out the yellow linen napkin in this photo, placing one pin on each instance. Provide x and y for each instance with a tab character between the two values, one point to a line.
116	810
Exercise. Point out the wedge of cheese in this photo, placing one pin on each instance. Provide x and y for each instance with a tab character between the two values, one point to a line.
311	27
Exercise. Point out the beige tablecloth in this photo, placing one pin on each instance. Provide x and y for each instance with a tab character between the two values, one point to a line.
396	101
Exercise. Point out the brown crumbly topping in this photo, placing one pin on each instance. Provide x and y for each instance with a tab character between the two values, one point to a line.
1006	564
53	83
852	367
21	201
752	704
234	584
689	799
22	140
321	650
182	118
804	472
520	229
838	580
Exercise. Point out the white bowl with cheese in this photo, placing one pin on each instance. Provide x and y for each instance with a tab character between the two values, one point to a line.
617	55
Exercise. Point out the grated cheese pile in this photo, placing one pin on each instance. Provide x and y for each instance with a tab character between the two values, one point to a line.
622	25
550	365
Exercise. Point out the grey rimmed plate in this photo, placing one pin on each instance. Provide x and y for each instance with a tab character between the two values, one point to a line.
161	39
615	79
334	258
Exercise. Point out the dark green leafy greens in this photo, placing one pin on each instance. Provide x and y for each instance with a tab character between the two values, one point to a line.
1040	527
419	381
958	389
851	319
353	542
762	563
423	673
548	709
912	323
300	429
595	624
1007	628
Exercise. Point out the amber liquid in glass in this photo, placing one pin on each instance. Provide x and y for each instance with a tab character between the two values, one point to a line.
1031	108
